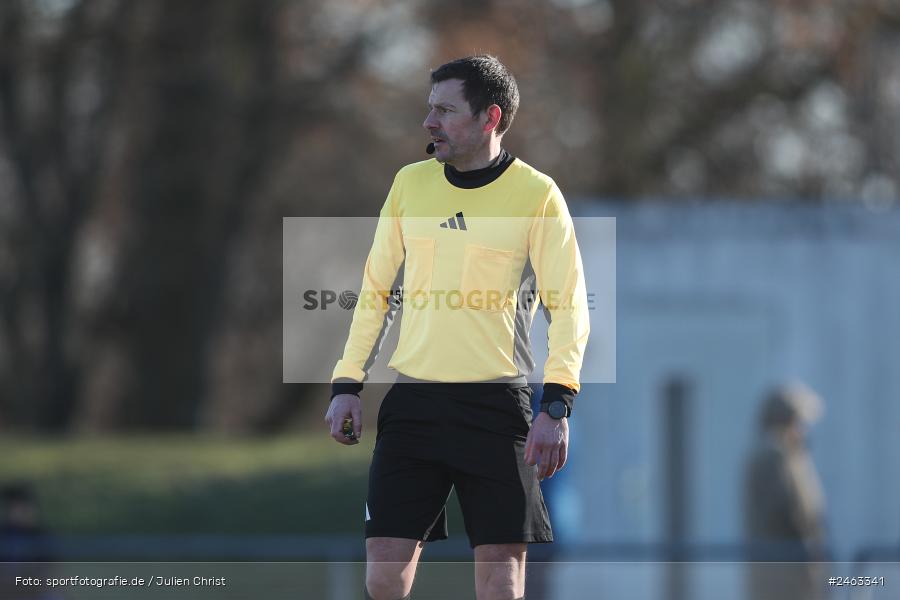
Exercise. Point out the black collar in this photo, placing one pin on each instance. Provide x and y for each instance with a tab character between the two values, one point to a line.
469	180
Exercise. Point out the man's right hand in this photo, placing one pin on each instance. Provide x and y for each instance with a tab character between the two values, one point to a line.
344	406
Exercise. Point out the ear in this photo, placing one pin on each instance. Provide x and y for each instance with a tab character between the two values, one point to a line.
493	113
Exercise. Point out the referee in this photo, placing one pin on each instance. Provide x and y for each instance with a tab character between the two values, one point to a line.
476	236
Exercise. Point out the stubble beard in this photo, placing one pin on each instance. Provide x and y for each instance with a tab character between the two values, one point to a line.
448	154
453	157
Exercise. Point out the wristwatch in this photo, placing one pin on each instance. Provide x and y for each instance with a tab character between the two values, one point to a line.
556	409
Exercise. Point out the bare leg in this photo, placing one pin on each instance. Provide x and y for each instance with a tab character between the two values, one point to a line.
391	566
500	571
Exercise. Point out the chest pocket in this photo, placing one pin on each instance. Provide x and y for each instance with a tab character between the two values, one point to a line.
419	268
485	283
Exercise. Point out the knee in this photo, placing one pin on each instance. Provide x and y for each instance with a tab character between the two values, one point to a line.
386	586
500	581
390	567
498	584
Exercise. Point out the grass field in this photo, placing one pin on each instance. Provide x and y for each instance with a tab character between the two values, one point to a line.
300	484
304	484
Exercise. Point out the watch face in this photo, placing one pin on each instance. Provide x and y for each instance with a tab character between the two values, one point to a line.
557	409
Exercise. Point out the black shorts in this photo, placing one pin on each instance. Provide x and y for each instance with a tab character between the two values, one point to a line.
433	437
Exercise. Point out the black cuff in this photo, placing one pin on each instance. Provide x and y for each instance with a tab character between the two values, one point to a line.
557	391
345	386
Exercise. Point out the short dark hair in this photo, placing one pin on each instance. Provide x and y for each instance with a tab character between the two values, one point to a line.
486	81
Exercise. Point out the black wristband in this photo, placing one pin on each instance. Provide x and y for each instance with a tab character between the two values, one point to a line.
557	391
345	386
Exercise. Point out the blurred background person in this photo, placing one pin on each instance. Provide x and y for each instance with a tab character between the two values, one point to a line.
783	500
24	546
22	537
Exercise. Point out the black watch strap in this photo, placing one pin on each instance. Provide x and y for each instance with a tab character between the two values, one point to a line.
557	392
556	409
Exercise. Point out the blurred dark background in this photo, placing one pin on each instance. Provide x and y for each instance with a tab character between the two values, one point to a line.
149	150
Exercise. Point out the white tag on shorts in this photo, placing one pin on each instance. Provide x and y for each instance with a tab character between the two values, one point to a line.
368	518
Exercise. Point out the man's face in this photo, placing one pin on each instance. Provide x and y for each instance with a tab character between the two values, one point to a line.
456	133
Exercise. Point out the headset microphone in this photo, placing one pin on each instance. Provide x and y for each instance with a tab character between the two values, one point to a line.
429	149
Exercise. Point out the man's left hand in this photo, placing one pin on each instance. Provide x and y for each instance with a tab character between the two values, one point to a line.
546	444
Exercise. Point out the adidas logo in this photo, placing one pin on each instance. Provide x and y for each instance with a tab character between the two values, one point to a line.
456	222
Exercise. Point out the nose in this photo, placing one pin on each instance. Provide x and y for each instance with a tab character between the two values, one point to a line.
430	122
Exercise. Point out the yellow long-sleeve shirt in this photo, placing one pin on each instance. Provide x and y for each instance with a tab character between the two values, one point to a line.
472	262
